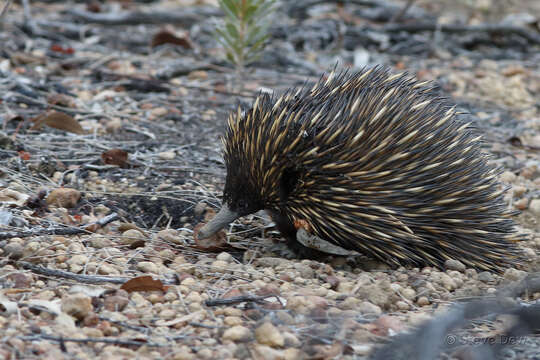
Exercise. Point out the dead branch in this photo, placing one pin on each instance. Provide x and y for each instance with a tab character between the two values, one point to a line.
492	29
529	285
429	339
402	12
4	9
237	299
91	340
87	279
186	17
59	230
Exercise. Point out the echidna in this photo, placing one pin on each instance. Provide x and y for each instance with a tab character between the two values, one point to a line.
372	162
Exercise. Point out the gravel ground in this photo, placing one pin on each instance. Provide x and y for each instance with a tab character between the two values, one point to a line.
85	208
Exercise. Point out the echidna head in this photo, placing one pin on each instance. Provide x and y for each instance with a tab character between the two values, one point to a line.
240	198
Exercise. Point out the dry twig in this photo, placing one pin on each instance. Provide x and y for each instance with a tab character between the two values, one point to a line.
87	279
59	230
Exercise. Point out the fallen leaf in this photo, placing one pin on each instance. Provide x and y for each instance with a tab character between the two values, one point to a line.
166	37
61	99
60	49
216	242
143	283
24	155
58	120
302	224
117	157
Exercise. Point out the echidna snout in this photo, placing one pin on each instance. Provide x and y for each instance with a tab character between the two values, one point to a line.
224	217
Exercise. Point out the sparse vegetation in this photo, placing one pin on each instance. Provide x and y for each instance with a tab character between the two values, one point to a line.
244	30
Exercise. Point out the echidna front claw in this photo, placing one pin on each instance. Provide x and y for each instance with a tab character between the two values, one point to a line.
224	217
315	242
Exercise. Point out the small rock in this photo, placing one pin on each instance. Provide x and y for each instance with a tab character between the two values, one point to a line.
378	293
205	354
77	305
408	293
198	75
63	197
158	112
21	280
519	190
147	267
219	265
268	334
402	305
107	269
78	259
529	253
167	155
263	352
534	206
285	318
113	125
291	340
167	314
508	177
31	249
116	302
99	241
170	235
132	238
447	282
237	333
422	301
183	353
232	320
193	297
453	264
471	273
209	115
350	303
522	204
333	281
13	250
224	256
369	308
485	276
512	274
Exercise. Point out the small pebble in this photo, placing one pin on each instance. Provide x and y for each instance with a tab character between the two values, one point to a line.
237	333
77	305
422	301
508	177
453	264
485	276
534	206
13	250
167	155
268	334
147	267
225	257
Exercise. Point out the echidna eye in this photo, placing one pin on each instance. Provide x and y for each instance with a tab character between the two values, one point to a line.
242	203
